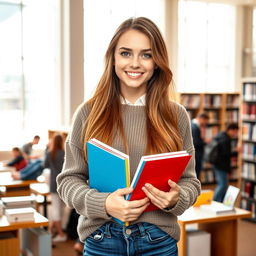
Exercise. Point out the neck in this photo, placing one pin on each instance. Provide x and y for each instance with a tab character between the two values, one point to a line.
132	94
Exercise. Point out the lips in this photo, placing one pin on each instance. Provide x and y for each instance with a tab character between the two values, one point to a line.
134	74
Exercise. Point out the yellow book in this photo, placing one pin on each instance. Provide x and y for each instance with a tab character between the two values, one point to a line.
205	197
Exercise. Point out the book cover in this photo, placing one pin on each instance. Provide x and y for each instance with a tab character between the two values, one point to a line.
157	170
108	167
109	170
205	197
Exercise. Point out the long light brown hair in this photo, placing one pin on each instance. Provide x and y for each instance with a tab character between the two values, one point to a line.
105	107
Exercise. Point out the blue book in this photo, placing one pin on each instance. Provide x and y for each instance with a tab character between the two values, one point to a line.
108	167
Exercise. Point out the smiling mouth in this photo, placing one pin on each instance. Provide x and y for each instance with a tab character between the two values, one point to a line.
134	74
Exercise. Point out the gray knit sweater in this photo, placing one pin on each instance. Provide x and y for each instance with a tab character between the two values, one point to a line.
90	204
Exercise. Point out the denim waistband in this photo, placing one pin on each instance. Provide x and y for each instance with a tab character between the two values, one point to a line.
140	228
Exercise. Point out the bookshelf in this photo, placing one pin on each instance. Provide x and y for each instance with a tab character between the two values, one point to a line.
248	142
222	108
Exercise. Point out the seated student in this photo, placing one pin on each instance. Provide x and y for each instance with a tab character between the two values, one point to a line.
18	160
28	148
30	172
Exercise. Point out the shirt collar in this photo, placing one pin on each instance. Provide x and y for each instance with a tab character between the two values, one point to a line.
141	101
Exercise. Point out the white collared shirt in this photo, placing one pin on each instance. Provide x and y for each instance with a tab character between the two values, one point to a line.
141	101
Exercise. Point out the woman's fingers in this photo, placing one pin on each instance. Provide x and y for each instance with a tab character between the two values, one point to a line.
160	198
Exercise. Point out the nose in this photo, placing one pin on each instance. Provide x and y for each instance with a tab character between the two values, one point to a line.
135	62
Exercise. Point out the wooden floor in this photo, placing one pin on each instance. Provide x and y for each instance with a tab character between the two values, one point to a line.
64	248
246	242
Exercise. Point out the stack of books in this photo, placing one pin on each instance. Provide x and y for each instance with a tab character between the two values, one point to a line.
18	202
20	214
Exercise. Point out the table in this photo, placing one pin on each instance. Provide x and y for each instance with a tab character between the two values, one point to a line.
11	187
9	233
41	189
7	169
223	229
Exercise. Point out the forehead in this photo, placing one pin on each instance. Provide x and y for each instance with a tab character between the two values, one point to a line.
134	39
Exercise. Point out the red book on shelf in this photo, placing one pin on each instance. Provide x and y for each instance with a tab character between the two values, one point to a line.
253	111
157	170
248	187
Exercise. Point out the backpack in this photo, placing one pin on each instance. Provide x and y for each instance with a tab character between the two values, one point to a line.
211	152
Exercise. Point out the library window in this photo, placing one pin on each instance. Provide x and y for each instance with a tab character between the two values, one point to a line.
28	69
206	50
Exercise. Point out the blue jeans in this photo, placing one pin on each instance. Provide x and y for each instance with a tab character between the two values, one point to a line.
222	184
113	239
32	170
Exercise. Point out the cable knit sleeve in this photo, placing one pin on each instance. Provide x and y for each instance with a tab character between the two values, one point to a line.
190	185
72	182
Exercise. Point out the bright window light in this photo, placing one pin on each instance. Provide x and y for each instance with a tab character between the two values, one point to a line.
27	70
206	47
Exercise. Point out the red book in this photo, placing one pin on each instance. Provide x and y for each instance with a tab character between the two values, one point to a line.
157	170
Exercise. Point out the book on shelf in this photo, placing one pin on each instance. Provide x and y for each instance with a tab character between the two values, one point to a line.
20	214
249	91
249	131
249	171
191	101
232	116
232	101
212	101
109	170
228	204
249	151
249	111
213	116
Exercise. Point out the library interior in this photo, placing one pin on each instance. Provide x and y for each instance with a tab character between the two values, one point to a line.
57	55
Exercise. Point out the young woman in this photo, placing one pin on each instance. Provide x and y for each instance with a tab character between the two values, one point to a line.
131	111
54	161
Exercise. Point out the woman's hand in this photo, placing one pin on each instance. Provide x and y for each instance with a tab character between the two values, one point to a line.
118	207
160	198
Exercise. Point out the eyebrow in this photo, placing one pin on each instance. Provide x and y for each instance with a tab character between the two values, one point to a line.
128	49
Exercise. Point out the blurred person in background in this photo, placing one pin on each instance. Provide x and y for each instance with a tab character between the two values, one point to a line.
197	125
18	161
54	160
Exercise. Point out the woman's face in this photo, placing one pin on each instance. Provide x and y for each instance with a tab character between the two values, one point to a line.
134	65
